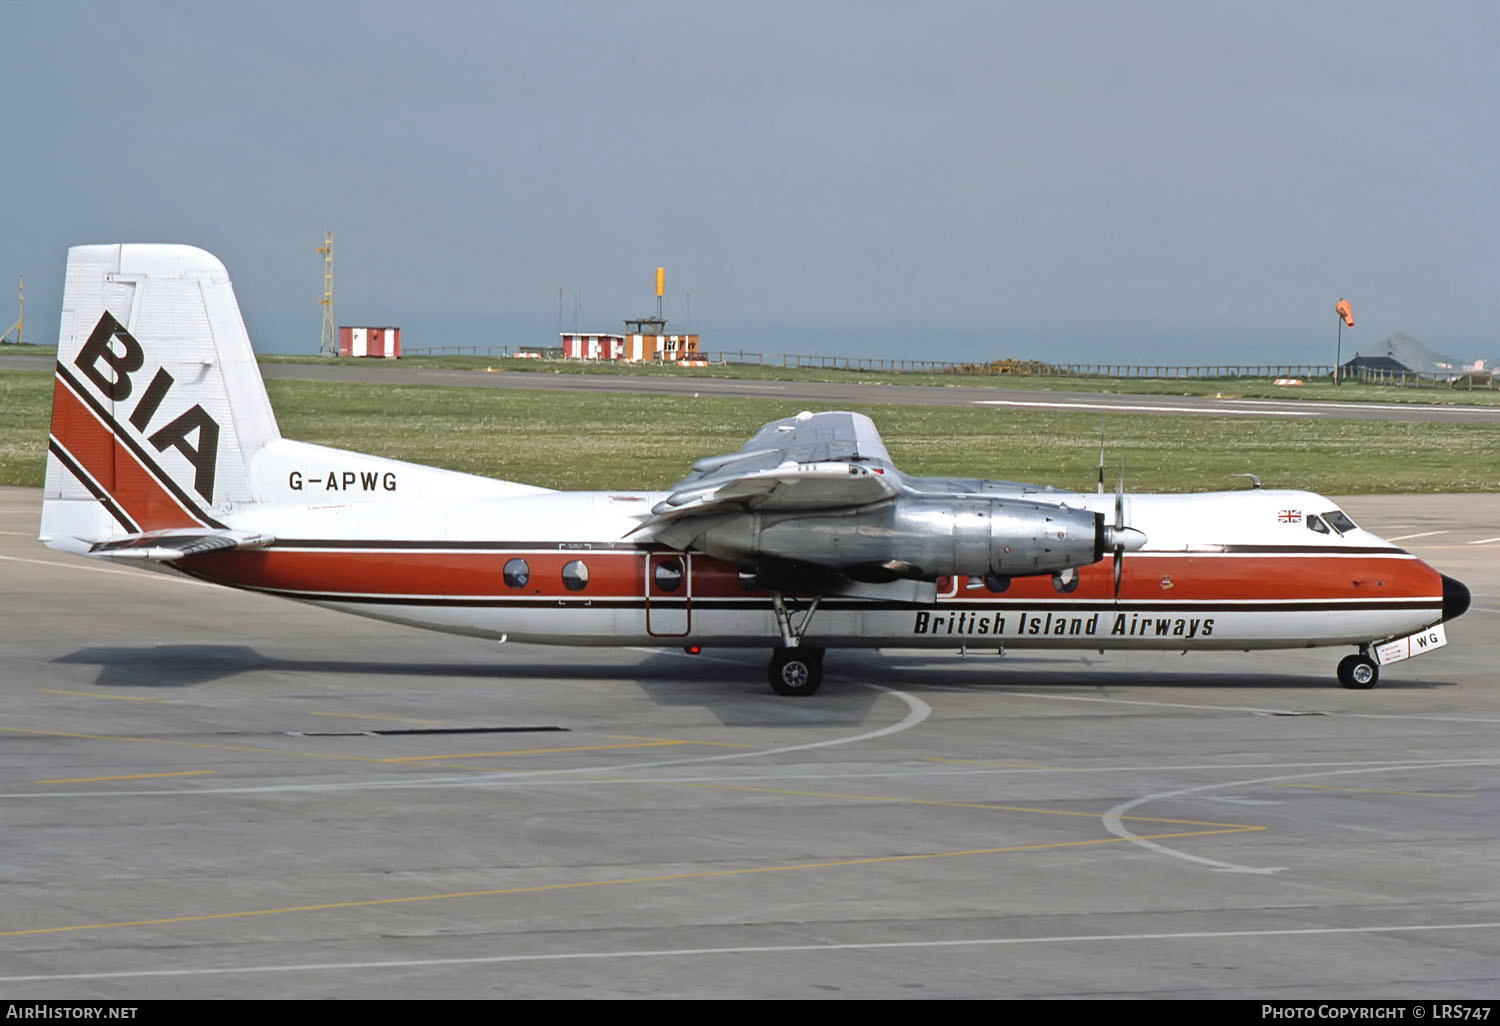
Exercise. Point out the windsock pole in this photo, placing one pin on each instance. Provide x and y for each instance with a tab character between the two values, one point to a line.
1345	316
1338	353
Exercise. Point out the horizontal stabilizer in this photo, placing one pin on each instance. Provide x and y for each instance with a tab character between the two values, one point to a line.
168	545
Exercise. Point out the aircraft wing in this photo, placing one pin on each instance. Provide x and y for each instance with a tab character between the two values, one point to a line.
177	543
813	461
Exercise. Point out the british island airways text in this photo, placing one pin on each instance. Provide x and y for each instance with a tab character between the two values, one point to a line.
1025	624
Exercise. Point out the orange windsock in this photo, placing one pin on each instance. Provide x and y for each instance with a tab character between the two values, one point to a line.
1345	314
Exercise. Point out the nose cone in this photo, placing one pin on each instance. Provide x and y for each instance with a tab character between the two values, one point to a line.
1455	598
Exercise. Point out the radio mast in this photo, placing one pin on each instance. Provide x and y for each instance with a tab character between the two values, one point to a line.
20	310
327	344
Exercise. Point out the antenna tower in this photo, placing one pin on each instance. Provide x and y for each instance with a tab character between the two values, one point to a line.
327	344
20	310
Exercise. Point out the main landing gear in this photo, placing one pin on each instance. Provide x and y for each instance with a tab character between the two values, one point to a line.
1359	672
796	670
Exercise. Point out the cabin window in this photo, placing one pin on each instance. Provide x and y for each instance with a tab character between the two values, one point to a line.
1315	523
996	582
1065	581
516	573
575	575
1339	521
668	575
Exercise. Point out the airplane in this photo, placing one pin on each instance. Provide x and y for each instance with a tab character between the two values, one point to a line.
164	452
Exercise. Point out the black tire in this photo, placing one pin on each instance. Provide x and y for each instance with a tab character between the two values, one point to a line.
796	672
1358	672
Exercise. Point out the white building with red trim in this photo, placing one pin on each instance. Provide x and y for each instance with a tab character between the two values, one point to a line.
644	339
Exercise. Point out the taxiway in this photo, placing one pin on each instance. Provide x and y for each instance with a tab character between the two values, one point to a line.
206	793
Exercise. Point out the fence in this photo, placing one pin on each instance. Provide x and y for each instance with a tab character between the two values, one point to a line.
869	363
731	356
1421	379
1306	371
549	352
456	351
1217	370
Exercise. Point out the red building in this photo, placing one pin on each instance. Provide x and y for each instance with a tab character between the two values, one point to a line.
384	342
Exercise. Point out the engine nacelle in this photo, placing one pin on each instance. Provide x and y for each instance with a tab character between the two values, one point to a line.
912	538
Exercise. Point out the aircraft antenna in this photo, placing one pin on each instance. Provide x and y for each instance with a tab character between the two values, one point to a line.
327	344
20	311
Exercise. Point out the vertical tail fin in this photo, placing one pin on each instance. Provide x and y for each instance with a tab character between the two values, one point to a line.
158	404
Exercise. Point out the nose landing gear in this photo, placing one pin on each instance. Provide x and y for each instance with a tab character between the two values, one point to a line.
1359	672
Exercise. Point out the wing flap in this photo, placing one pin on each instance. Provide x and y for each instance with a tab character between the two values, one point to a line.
813	461
791	486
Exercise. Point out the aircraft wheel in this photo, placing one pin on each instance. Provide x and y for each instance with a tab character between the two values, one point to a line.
796	671
1358	672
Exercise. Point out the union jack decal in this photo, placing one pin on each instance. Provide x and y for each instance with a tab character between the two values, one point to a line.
1290	516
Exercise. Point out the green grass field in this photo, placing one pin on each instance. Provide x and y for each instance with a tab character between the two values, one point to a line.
1227	387
1252	388
567	440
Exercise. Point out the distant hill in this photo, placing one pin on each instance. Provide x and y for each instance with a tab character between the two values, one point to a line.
1402	352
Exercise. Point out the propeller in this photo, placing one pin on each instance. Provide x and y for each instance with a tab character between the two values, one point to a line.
1121	539
1119	526
1099	488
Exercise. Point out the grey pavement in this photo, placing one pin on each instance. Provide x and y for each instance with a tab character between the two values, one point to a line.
214	794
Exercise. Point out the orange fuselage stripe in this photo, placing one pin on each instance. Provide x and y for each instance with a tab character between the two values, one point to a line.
622	574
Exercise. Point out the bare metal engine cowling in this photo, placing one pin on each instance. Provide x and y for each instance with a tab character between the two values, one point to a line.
909	537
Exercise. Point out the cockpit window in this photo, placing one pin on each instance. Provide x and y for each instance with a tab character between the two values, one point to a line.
1315	523
1339	521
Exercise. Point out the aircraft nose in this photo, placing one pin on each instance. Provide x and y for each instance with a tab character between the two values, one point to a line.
1455	598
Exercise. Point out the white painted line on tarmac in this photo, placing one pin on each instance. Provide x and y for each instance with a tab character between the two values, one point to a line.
572	778
1485	541
1113	819
1487	410
758	949
1422	534
983	689
1129	407
139	575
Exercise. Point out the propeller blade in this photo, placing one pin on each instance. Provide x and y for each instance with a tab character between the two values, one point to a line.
1100	486
1119	532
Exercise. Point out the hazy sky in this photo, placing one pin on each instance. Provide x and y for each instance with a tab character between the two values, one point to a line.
1177	182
